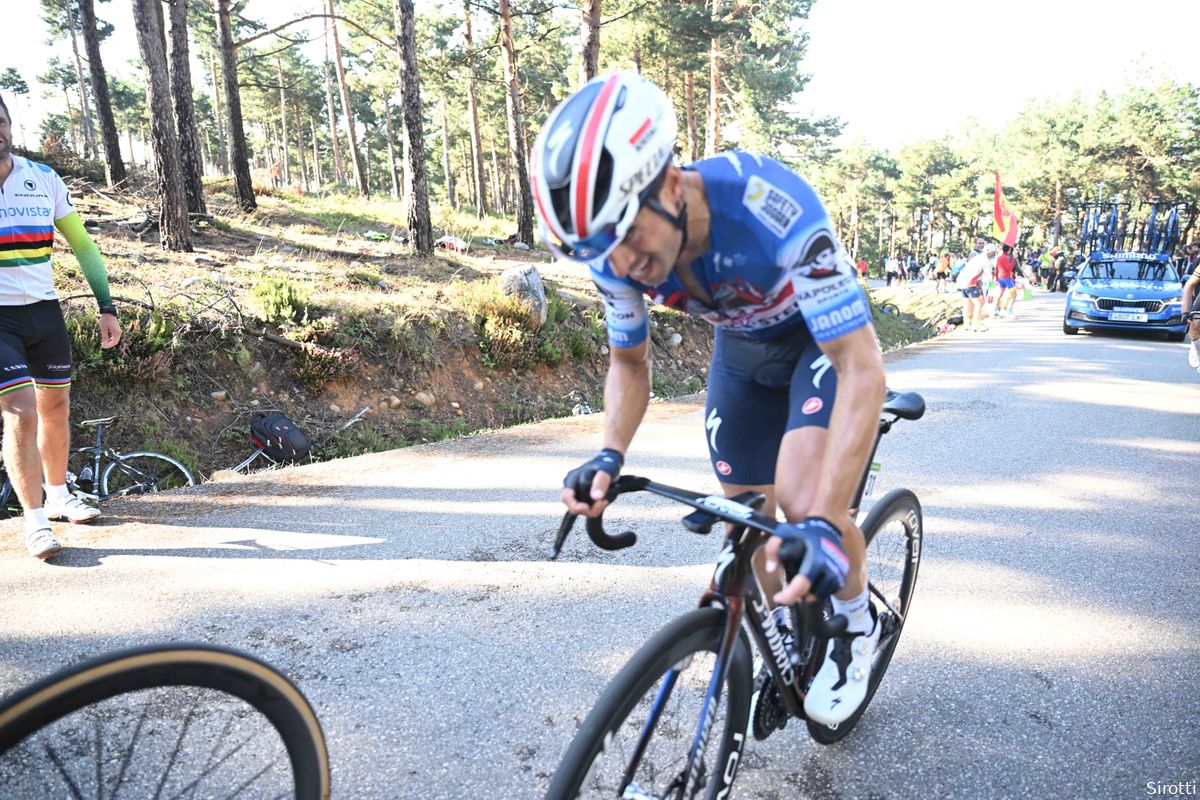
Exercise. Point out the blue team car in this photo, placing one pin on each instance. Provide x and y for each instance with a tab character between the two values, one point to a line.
1126	291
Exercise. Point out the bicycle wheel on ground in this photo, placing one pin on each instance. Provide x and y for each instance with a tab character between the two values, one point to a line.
669	674
893	531
165	721
138	473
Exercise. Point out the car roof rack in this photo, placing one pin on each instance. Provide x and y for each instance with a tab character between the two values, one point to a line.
1115	230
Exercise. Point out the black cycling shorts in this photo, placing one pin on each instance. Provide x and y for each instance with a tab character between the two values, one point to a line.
34	347
757	392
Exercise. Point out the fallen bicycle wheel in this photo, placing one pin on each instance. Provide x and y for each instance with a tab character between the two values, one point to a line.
163	722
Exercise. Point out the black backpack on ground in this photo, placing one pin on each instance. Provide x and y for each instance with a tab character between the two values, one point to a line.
278	436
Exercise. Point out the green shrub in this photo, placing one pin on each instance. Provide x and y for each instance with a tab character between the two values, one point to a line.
364	277
314	366
278	300
549	354
579	345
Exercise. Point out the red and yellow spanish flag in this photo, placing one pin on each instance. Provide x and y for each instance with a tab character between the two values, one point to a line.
1004	221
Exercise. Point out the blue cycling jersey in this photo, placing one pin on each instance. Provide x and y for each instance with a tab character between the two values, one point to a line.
774	266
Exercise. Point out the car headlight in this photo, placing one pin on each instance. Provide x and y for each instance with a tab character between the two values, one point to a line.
1174	301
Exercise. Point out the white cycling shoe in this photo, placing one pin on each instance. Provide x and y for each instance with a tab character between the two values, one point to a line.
840	686
72	509
1194	353
40	543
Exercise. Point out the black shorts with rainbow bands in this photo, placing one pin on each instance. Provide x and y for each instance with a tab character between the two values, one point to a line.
34	347
757	392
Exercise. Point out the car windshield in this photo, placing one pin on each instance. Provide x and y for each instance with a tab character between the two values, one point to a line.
1128	271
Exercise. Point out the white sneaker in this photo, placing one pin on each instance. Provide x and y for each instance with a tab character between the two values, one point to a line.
840	686
1194	353
72	509
40	543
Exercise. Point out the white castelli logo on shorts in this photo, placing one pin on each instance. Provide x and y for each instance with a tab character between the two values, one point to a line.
711	424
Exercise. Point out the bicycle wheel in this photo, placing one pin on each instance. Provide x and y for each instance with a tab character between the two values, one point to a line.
893	531
138	473
164	722
681	657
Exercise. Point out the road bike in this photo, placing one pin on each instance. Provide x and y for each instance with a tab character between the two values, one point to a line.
673	722
119	473
104	473
165	721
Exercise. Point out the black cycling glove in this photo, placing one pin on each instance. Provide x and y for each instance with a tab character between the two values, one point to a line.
580	478
813	549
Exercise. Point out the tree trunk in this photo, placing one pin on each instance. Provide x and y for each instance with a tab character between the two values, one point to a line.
481	205
360	175
239	154
339	169
173	226
591	39
222	125
391	143
129	140
451	198
712	136
312	129
300	149
185	109
419	228
114	167
516	127
689	94
469	176
89	131
496	178
283	122
1058	198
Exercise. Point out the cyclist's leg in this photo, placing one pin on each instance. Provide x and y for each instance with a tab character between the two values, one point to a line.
49	350
813	389
745	418
18	403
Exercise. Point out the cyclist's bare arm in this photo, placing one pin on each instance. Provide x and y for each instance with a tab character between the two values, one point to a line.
626	396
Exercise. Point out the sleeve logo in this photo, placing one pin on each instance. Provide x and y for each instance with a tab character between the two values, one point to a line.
772	206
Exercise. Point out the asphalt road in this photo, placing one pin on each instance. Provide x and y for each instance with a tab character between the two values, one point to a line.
1051	651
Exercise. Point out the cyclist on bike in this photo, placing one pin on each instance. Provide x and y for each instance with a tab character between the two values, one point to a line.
35	350
796	383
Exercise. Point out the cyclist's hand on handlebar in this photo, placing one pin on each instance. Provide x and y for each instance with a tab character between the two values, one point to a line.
812	557
585	486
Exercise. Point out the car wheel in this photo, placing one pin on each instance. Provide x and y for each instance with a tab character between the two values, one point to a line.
1067	329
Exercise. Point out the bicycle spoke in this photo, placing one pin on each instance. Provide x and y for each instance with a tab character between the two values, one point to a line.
62	771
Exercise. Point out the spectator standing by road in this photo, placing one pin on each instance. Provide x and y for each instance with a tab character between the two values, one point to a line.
35	349
970	282
1006	299
862	269
941	273
891	270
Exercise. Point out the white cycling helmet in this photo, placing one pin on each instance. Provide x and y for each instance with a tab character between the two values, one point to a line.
599	151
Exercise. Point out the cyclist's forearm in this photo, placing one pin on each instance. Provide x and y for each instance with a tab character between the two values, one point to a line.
88	255
626	397
852	430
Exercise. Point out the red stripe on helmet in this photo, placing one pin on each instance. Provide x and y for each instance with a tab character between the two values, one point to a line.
583	172
633	139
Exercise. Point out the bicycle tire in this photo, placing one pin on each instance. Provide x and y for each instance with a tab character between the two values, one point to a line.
66	707
584	773
164	473
892	564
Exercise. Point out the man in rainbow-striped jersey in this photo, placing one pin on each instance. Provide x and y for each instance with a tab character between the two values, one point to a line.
35	350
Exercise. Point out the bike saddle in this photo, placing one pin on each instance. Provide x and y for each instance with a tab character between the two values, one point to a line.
905	405
101	421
